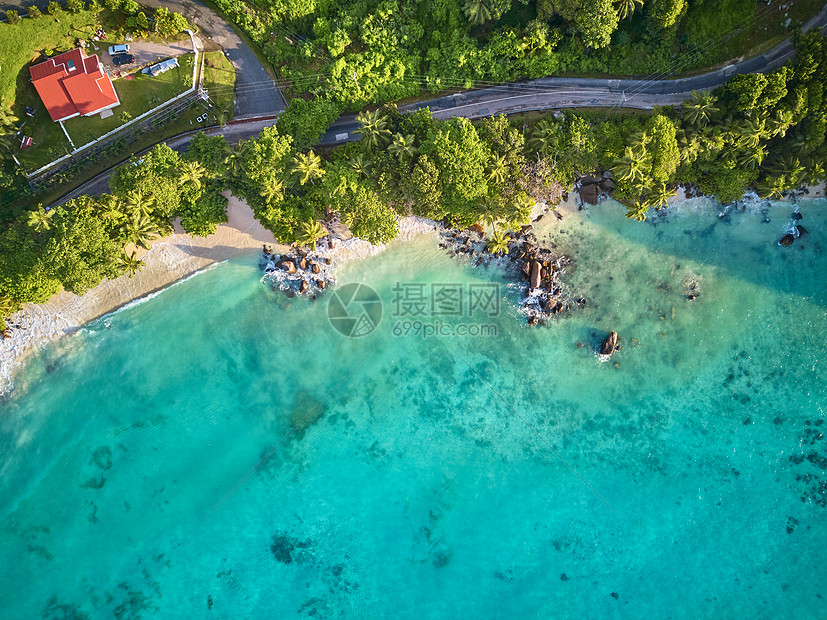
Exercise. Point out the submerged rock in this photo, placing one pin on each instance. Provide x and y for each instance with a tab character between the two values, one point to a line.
801	230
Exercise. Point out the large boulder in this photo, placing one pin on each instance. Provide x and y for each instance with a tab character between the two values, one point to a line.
801	230
786	240
609	344
534	275
287	264
589	193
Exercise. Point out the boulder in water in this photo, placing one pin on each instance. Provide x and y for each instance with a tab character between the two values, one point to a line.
287	264
786	240
609	344
801	230
797	216
303	262
303	286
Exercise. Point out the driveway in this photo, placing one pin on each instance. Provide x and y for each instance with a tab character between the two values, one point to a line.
147	52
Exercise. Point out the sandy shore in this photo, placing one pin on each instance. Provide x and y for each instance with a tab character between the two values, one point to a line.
180	255
170	259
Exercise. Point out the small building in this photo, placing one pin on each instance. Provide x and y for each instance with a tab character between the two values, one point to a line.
73	84
161	67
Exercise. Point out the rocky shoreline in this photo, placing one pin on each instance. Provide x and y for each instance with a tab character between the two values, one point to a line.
534	269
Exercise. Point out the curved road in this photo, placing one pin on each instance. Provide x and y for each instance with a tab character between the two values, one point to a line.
256	93
540	94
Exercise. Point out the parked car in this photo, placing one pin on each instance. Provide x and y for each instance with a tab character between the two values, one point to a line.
122	59
118	49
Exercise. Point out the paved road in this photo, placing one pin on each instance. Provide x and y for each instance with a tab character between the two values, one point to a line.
256	93
556	92
541	94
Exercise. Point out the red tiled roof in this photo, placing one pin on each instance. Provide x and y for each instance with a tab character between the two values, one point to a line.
71	83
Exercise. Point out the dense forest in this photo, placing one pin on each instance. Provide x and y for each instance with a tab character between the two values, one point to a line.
360	52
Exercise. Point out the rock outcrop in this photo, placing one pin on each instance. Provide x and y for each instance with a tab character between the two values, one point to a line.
609	345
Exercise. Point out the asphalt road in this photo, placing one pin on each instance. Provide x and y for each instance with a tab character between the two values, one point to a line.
256	93
540	94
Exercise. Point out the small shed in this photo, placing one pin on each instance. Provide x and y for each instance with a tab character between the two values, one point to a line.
161	67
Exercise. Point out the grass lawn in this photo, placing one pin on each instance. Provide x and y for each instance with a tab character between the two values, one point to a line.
219	77
137	95
219	80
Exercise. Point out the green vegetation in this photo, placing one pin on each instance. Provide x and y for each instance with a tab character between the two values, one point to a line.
764	131
358	53
24	42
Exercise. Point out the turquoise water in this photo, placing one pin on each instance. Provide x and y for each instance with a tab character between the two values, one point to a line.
148	466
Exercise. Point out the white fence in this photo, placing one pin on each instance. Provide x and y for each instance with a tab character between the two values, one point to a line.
137	119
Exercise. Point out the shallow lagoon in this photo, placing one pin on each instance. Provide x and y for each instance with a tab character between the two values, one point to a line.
437	477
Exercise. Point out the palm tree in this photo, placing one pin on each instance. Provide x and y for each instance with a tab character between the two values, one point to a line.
625	8
478	11
272	188
660	196
191	173
780	123
491	212
750	132
630	167
374	129
689	147
497	243
521	208
136	202
497	169
130	263
699	108
361	164
311	232
544	136
750	158
40	220
771	187
402	146
140	230
111	210
234	158
308	166
637	211
815	173
792	171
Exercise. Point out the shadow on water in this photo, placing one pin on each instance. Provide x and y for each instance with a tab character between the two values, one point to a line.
742	243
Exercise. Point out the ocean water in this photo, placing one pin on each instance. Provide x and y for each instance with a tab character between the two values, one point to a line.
222	451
